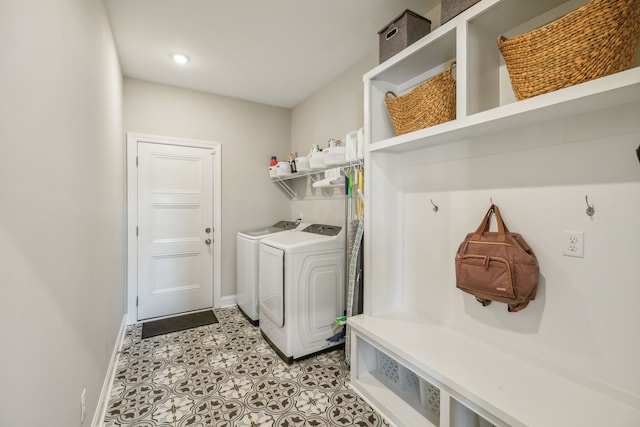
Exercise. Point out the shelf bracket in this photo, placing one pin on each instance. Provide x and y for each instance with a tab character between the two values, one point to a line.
287	189
314	176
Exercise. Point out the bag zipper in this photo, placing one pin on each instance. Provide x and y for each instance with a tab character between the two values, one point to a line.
489	243
479	242
487	259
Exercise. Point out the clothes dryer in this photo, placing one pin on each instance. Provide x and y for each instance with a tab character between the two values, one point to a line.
302	289
247	252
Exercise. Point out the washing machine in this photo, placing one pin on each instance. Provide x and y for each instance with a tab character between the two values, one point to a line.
302	290
247	252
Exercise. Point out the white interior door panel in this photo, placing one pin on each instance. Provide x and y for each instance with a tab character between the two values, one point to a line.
175	210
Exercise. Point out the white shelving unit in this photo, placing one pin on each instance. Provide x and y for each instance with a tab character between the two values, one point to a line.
479	382
312	174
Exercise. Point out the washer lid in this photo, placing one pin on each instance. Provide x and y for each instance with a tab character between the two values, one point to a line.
323	229
319	239
262	231
286	225
275	228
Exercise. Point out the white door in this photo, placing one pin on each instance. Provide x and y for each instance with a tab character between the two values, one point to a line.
175	229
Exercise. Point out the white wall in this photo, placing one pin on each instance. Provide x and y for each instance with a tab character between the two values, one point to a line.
61	209
331	112
584	321
250	133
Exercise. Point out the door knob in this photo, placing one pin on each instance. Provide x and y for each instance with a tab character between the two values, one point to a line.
208	241
207	230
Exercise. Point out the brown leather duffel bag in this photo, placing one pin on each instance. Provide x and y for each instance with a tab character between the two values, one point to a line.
497	266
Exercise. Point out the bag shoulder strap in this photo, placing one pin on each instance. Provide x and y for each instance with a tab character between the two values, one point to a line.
501	224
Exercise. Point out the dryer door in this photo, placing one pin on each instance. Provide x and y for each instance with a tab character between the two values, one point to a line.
272	284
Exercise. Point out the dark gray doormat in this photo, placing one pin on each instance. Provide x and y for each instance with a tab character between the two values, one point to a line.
178	323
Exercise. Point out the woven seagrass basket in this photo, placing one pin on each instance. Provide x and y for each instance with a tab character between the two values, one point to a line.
430	103
595	40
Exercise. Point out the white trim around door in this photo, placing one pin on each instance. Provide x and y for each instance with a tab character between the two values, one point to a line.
132	213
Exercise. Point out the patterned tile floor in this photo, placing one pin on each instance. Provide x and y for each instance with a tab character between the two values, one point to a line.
225	374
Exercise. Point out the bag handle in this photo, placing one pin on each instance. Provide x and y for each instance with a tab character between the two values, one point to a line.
486	223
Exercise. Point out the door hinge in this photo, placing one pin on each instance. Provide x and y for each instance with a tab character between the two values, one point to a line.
136	161
136	301
136	231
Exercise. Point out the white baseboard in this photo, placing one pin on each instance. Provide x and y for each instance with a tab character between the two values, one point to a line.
103	402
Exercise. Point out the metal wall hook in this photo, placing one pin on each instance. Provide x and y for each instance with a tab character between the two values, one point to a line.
590	209
435	207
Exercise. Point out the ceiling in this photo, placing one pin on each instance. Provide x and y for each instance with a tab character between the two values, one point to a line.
275	52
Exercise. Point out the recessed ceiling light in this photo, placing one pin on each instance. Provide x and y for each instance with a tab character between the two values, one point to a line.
179	58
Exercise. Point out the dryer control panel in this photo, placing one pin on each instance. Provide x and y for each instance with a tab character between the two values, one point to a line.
325	230
285	225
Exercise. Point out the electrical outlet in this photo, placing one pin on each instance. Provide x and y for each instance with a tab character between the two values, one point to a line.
83	404
573	244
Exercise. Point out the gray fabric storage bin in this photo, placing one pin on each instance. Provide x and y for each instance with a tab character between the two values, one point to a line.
403	31
451	8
